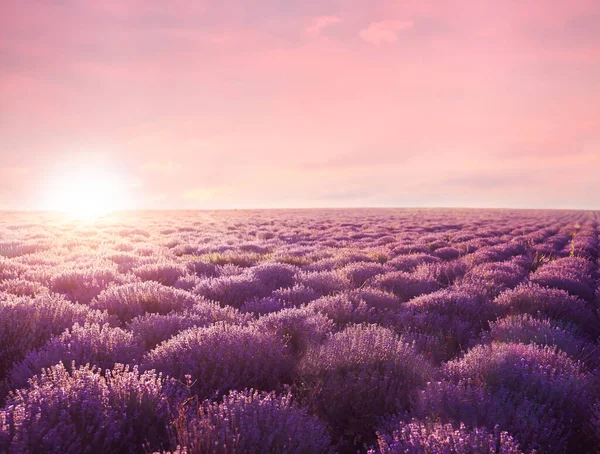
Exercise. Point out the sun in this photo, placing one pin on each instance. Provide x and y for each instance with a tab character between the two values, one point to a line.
86	193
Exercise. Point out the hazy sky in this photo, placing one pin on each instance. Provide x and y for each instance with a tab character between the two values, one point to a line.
277	103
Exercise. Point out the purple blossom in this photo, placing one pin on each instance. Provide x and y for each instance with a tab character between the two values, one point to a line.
358	273
428	437
28	323
164	273
407	329
22	287
274	275
323	282
572	274
526	329
223	357
447	253
85	411
295	296
152	329
251	421
409	262
455	317
232	290
138	298
82	285
553	303
406	285
547	385
300	329
359	375
101	346
347	308
494	278
202	269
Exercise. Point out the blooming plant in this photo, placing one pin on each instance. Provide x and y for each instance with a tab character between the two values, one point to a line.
306	331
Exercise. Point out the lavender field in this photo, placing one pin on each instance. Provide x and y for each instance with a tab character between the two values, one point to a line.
301	331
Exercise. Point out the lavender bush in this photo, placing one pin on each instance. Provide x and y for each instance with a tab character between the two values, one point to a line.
553	303
456	317
359	375
163	272
251	422
300	329
395	330
347	308
82	411
526	329
429	437
232	290
28	323
573	274
101	346
494	278
406	285
222	357
82	285
135	299
540	382
151	329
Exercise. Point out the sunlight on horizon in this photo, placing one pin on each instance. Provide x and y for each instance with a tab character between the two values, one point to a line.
86	193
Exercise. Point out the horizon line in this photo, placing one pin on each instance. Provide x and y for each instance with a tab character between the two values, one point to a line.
131	210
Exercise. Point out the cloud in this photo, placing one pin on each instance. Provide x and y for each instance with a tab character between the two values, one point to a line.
320	23
384	32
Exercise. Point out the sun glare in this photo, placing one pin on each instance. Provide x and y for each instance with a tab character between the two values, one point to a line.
87	195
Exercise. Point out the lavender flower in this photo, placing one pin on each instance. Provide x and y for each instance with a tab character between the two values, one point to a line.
165	273
300	329
83	411
28	323
223	357
553	303
132	300
429	437
101	346
406	285
359	375
251	422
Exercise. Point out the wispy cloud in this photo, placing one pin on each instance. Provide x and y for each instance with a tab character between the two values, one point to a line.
384	32
318	24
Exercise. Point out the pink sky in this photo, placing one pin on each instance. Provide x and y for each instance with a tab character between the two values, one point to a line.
199	104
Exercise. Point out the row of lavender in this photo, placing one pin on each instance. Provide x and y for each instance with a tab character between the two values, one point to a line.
301	331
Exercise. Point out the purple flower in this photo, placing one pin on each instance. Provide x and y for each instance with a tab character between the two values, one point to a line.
406	285
28	323
101	346
251	421
138	298
85	411
429	437
165	273
359	375
548	302
572	274
223	357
